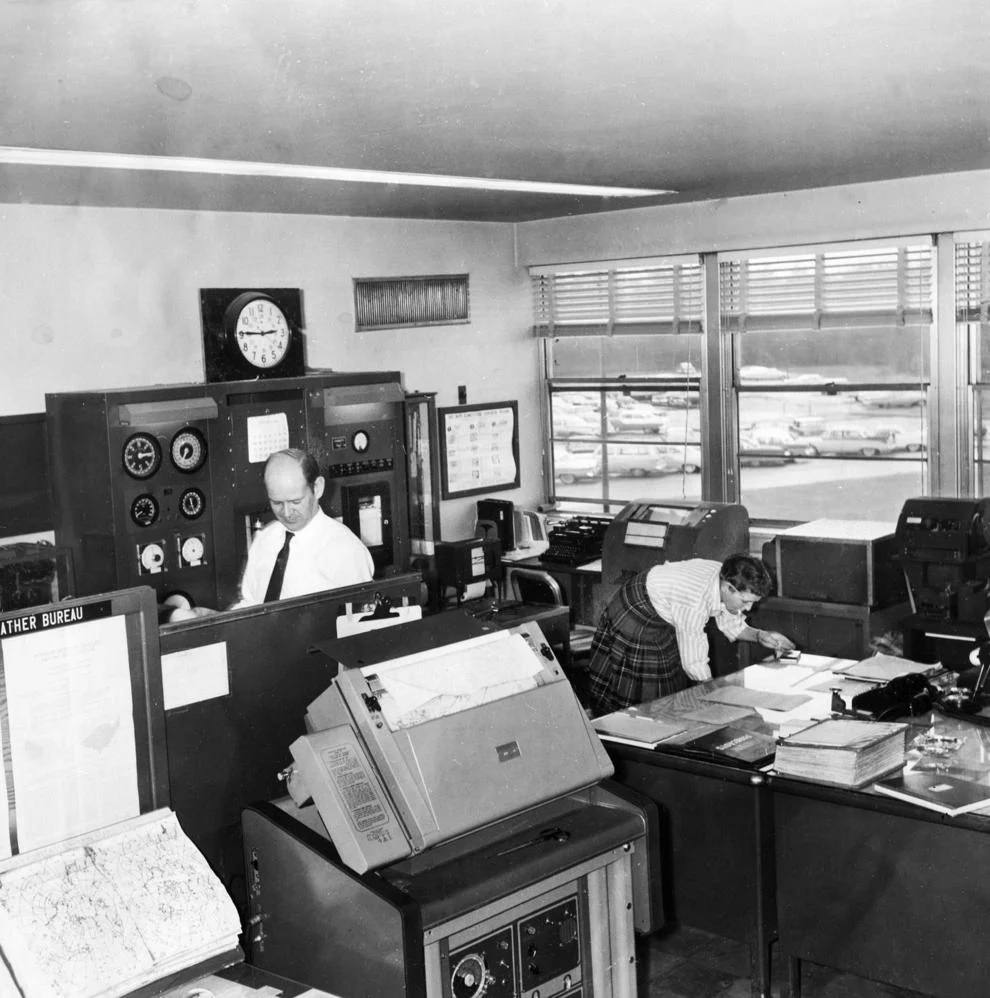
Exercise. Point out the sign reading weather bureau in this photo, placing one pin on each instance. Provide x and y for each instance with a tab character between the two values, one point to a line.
480	449
53	617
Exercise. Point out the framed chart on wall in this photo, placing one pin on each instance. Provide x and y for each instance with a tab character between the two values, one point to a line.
479	448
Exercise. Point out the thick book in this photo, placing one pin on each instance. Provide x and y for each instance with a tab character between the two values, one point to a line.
735	744
937	791
843	752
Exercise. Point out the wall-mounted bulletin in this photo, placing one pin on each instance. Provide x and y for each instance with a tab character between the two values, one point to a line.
479	448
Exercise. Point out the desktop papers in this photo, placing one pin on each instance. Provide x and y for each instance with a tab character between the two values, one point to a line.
883	668
112	912
436	683
743	697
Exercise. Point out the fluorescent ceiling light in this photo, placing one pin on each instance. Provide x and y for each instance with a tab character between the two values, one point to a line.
239	168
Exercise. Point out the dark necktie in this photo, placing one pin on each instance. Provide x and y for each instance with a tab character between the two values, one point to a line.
274	589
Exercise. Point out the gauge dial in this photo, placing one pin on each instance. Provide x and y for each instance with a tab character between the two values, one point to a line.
188	450
192	502
152	557
360	441
142	455
192	550
144	510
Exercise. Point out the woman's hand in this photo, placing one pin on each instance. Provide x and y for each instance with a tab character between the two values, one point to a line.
775	641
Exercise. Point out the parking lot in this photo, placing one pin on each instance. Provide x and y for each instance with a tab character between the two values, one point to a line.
803	454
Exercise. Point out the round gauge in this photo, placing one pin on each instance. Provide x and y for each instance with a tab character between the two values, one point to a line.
192	502
141	455
188	450
470	978
360	441
144	510
152	557
192	550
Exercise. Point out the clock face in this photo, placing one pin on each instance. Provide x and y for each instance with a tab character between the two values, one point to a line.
262	334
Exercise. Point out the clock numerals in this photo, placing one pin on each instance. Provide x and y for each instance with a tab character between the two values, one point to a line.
262	333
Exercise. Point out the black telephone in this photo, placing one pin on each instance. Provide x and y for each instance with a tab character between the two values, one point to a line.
908	695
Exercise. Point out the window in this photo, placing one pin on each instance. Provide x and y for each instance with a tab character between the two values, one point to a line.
623	357
830	372
972	283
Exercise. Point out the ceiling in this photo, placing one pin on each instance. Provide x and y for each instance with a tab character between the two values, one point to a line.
711	98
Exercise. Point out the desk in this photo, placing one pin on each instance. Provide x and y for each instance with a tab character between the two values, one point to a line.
717	845
885	889
846	878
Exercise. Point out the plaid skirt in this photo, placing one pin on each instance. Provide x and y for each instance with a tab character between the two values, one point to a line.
634	654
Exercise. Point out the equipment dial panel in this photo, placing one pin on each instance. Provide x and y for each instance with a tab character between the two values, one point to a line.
192	502
188	450
141	455
144	510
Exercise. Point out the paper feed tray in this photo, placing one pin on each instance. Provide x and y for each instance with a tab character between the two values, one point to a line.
406	754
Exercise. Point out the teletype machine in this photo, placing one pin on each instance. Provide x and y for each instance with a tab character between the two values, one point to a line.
446	833
646	533
163	486
943	548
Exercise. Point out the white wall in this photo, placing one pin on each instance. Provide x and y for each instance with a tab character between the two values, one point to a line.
96	298
941	203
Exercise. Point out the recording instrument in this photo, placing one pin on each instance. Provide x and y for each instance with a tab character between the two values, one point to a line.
943	549
499	514
577	540
837	561
647	533
447	833
174	487
465	566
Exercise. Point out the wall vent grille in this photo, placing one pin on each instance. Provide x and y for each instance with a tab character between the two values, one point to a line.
396	302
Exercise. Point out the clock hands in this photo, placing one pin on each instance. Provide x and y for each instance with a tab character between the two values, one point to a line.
256	332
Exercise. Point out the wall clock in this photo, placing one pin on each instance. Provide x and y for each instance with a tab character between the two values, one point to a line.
252	333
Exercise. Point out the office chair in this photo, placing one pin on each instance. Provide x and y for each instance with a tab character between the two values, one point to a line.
533	585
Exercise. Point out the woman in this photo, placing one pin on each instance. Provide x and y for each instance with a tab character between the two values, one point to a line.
651	638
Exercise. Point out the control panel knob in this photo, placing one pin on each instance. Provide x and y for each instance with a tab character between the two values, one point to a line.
470	978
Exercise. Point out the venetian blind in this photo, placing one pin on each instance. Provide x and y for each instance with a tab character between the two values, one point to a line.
973	282
660	298
828	289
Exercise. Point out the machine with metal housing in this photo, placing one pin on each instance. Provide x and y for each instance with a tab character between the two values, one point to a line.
447	833
646	533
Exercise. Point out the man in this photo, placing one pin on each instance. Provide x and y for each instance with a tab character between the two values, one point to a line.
651	638
302	550
319	553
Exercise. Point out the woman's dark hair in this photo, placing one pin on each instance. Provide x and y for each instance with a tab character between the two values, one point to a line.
747	574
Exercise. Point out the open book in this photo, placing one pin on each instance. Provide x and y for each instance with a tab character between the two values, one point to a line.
112	911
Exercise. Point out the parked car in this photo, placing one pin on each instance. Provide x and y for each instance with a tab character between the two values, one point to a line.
757	372
774	435
865	441
575	424
891	400
752	453
637	460
676	400
573	466
642	419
